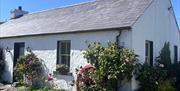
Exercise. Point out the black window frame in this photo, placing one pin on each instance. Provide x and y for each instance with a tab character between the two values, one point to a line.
149	47
59	54
175	53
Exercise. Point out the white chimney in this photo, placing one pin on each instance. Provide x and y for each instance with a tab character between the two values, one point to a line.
16	13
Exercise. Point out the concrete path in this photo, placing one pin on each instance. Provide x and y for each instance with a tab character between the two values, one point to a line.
7	88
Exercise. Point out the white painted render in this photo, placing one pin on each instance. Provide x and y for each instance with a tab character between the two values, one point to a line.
45	47
157	24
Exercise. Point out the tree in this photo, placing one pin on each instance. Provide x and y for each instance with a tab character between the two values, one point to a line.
165	55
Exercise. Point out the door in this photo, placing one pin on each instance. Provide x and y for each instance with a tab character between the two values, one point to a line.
18	51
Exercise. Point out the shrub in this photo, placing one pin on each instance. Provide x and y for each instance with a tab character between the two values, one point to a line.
165	85
62	69
113	63
30	67
165	55
175	73
2	62
149	78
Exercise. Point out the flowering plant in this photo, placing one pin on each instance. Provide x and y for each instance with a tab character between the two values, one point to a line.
84	77
113	63
62	69
31	67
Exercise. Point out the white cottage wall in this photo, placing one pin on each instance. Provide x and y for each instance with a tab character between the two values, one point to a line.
157	24
45	47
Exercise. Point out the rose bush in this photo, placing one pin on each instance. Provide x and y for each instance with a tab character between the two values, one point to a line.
30	67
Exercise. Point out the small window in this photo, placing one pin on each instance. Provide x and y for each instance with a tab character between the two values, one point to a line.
149	52
175	54
63	52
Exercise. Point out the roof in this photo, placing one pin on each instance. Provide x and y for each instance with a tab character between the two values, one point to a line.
96	15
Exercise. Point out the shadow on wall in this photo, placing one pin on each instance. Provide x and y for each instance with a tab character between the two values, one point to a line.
2	62
7	76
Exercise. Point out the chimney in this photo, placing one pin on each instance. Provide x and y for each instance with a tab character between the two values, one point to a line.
17	13
20	8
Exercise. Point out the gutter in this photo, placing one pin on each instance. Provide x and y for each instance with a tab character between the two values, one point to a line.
70	32
117	38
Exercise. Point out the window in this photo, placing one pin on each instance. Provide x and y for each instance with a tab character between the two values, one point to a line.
63	52
149	52
175	54
18	51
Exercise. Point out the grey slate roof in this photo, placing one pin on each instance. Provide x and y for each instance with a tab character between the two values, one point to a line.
99	14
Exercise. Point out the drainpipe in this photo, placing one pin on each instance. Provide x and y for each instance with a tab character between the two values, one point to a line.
117	38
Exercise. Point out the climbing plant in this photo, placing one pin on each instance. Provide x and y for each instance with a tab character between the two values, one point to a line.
113	64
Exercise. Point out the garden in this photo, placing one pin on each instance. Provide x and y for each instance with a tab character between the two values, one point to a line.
109	66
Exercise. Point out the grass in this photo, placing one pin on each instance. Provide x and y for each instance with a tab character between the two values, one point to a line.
25	88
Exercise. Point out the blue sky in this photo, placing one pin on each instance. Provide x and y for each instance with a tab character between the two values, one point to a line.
39	5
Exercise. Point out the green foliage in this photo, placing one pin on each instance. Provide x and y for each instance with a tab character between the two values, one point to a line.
31	88
43	89
113	63
150	77
161	77
2	62
62	69
165	55
174	72
165	85
30	67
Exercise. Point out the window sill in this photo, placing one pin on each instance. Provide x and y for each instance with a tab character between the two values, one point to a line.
57	73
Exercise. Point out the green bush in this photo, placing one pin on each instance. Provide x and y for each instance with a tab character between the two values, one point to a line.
149	78
165	55
165	85
113	64
30	67
174	72
62	69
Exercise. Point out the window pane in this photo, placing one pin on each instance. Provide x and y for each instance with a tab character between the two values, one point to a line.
68	60
63	59
68	48
63	47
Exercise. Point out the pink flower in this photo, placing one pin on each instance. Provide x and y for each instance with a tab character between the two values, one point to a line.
50	77
30	62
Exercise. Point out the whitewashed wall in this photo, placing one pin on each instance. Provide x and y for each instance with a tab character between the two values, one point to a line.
45	47
157	25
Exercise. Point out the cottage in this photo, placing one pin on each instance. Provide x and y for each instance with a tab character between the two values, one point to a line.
59	36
